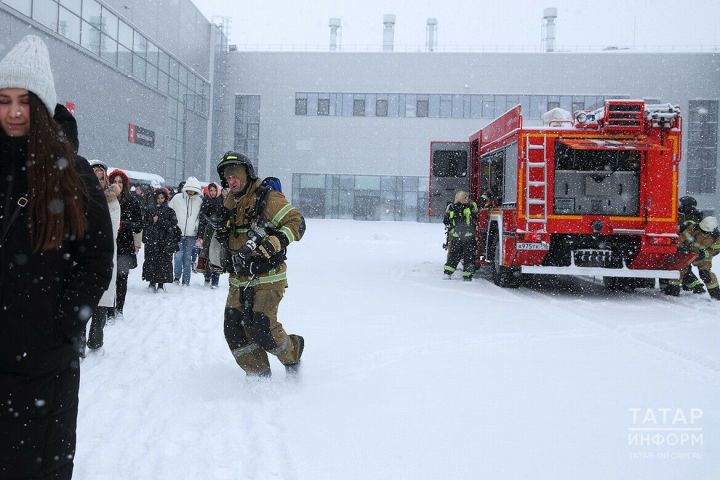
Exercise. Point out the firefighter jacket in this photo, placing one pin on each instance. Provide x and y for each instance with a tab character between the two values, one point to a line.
284	221
705	245
460	219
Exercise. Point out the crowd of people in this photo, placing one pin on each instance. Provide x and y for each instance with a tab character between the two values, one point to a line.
70	233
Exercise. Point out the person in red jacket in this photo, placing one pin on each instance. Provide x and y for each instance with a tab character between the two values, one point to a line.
129	239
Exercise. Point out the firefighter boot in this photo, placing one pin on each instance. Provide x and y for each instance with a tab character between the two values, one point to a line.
300	345
714	293
698	289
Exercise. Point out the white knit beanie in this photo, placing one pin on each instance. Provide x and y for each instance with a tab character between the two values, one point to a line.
192	184
27	66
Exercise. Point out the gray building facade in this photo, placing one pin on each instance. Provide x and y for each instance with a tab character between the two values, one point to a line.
138	76
349	133
156	89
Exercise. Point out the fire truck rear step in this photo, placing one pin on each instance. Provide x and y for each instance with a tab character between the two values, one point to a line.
600	272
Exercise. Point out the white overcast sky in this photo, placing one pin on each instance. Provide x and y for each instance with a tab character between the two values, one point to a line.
475	23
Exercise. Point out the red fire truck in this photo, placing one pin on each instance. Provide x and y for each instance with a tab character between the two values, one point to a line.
594	193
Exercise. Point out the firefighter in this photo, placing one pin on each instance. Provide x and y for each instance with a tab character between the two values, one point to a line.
688	215
260	225
702	239
460	221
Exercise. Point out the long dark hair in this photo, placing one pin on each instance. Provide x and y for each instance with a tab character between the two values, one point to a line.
58	196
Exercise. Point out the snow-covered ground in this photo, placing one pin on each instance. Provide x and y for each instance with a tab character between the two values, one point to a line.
408	376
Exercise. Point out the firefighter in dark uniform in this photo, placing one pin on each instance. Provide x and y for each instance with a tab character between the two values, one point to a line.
257	268
688	214
460	219
702	239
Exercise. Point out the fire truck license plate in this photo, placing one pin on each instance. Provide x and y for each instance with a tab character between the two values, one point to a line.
533	246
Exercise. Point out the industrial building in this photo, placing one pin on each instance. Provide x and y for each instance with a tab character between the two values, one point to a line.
347	133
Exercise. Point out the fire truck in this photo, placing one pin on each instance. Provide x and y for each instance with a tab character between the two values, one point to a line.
591	194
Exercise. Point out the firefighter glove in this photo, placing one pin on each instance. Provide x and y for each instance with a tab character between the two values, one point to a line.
270	246
702	254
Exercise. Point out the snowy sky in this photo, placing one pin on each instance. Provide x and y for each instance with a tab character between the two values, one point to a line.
471	22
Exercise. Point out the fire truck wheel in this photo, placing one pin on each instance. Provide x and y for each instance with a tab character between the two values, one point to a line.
504	277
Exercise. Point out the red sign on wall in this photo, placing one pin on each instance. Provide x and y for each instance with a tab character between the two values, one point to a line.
141	136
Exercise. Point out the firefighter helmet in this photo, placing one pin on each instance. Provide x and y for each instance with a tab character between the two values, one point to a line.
687	202
235	158
708	224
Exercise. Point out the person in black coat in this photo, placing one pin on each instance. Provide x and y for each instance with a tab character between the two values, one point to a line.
129	239
161	237
212	206
56	260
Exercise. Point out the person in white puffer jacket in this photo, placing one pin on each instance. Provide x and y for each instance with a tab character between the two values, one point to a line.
187	209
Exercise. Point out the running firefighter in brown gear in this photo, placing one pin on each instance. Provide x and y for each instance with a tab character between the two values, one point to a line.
703	239
257	269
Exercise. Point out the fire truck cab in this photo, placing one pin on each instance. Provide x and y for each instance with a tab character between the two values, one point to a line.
594	193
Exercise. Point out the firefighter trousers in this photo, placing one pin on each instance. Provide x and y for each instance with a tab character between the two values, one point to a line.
253	331
704	270
461	249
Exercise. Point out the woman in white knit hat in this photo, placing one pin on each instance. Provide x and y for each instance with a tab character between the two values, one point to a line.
56	248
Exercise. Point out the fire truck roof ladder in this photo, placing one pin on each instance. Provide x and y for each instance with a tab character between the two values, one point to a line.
535	190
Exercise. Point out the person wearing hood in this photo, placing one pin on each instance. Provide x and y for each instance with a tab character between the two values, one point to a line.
129	239
186	205
212	207
55	263
107	302
161	237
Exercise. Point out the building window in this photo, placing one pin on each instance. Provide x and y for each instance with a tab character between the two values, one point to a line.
422	108
445	106
358	108
69	26
324	106
360	197
22	6
301	106
381	108
46	12
247	126
702	128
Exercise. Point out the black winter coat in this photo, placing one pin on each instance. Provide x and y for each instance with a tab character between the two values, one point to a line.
210	207
45	300
131	221
161	241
